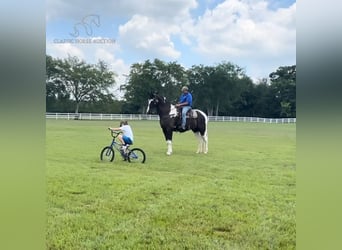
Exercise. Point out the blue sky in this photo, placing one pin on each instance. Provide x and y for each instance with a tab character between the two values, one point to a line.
257	35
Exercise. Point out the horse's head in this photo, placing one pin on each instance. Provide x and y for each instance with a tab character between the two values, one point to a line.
155	101
152	102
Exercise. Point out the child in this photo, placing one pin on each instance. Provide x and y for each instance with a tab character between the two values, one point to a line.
126	138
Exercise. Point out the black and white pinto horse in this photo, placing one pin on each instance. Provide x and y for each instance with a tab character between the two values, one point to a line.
170	120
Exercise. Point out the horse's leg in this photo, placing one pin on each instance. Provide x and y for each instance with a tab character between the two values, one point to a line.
202	137
169	147
199	147
168	138
199	126
205	143
202	143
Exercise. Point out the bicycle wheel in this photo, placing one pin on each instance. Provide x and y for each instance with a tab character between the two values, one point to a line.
136	155
107	154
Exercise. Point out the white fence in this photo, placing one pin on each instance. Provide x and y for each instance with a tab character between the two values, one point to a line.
95	116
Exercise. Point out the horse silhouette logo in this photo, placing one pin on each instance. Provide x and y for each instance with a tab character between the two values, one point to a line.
86	24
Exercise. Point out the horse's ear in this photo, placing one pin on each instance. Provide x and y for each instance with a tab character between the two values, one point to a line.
155	93
151	95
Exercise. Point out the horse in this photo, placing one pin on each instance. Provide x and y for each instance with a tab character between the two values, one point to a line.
170	120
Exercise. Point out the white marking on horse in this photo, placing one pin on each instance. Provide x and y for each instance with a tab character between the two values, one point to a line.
169	147
203	140
173	111
148	105
193	113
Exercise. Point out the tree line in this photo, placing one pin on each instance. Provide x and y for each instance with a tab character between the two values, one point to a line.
73	85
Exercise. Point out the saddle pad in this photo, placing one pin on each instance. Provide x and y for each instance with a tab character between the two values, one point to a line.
192	114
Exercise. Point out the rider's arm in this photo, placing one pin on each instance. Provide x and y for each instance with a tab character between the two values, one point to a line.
182	104
115	129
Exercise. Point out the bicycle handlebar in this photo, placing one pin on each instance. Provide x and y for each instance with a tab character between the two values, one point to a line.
114	133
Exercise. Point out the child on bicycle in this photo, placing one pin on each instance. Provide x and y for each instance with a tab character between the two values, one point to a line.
126	138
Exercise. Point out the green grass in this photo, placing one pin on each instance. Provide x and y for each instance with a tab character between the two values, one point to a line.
241	195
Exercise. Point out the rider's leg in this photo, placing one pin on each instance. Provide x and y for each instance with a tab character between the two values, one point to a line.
121	139
184	110
126	141
123	147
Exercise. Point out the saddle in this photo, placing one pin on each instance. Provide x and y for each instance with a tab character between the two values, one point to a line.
191	114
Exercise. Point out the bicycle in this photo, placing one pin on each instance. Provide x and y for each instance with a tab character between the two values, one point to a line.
134	155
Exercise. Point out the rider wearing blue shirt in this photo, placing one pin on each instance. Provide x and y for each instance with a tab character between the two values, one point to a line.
185	102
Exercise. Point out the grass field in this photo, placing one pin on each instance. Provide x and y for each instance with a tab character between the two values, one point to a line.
241	195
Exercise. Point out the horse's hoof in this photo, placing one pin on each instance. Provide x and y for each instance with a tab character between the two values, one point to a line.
168	153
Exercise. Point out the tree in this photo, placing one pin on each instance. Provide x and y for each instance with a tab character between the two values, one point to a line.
258	101
283	83
201	88
106	105
223	89
83	82
56	93
230	83
245	101
218	88
147	77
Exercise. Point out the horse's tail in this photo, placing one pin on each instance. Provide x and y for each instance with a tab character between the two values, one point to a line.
205	117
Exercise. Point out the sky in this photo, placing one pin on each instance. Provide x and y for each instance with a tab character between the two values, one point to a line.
256	35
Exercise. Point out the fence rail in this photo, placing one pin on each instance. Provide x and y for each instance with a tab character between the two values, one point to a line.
96	116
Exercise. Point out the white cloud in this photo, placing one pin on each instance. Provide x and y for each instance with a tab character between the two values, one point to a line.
117	65
153	8
148	37
148	31
250	33
92	53
245	29
63	50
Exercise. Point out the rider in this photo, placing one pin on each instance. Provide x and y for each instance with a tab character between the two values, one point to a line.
126	138
185	102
